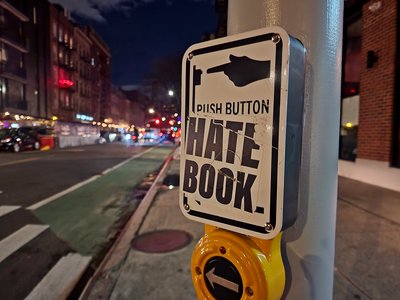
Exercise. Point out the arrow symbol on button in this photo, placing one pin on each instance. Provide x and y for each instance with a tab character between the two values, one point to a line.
212	278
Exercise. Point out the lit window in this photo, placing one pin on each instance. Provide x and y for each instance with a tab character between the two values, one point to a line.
16	95
34	15
2	17
3	53
67	101
21	61
55	29
3	86
55	51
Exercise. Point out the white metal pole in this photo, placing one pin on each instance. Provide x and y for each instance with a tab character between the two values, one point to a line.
309	245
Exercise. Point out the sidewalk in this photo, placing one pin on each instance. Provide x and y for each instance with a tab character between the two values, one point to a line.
154	276
367	260
367	249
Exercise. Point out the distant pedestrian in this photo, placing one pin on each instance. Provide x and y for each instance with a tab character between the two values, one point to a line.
136	134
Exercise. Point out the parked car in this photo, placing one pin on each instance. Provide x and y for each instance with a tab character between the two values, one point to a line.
17	139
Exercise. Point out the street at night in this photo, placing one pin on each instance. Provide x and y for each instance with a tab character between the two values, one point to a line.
84	194
199	149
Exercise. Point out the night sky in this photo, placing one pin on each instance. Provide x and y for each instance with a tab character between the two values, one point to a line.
138	32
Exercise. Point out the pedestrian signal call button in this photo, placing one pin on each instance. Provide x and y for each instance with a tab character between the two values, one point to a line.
228	265
222	279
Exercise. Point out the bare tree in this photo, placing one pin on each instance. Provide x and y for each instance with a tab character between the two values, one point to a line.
163	84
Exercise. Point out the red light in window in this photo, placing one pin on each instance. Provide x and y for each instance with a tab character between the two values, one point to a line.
65	83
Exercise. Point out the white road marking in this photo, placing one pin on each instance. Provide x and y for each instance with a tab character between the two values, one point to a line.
5	209
18	161
125	161
80	184
61	279
73	150
19	238
62	193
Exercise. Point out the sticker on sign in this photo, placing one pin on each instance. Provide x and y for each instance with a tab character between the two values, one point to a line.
242	113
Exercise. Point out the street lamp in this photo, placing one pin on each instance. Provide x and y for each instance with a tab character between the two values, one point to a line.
151	111
170	93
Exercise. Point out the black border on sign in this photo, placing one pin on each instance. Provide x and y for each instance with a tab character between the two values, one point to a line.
275	132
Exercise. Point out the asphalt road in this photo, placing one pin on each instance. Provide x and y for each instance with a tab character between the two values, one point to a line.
61	209
28	177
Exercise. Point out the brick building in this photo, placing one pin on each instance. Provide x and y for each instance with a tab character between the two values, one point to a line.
369	148
53	73
101	71
63	64
370	119
87	104
127	107
14	54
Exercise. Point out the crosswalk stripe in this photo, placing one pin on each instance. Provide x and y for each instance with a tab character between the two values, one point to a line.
5	209
19	238
61	279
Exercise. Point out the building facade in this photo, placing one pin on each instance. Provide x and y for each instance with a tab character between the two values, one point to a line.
87	87
63	64
15	82
370	112
101	71
369	144
51	70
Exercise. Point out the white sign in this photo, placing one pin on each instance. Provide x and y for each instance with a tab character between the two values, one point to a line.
234	111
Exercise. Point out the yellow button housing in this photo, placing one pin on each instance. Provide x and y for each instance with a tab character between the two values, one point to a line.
259	263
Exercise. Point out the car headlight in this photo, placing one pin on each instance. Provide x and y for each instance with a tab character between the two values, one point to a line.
6	140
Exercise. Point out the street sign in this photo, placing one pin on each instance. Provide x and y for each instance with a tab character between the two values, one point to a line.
223	280
242	107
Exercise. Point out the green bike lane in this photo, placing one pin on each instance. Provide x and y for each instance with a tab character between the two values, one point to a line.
89	217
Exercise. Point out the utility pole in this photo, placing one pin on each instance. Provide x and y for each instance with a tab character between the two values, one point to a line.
308	246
